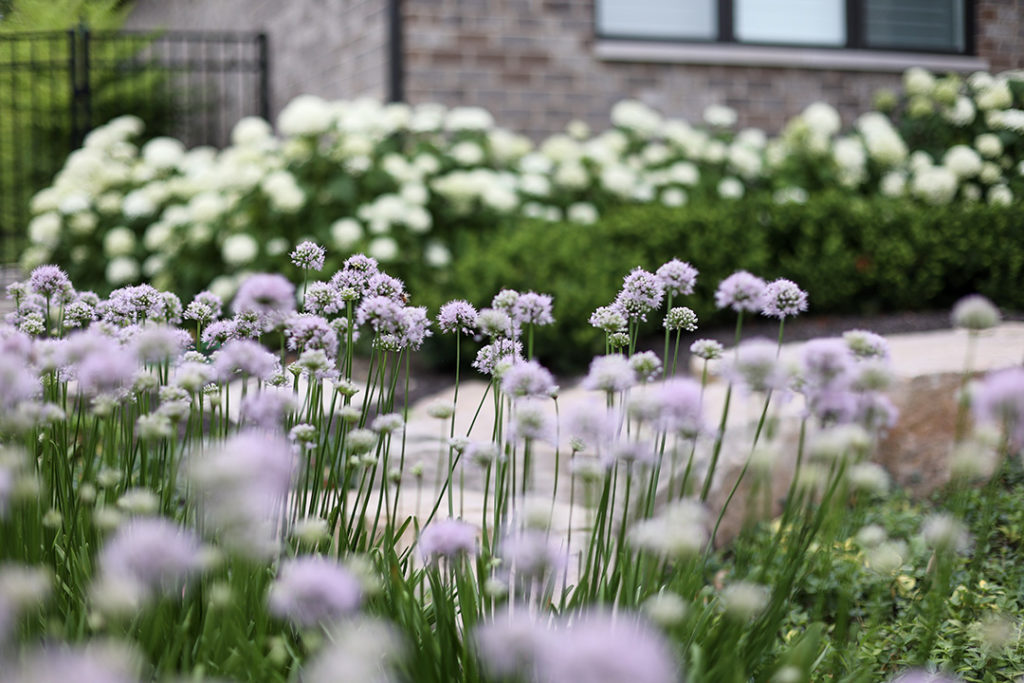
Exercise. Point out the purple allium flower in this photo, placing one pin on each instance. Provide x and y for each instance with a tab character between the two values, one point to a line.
382	284
449	538
17	383
387	423
826	362
527	378
532	309
628	453
355	274
491	358
219	332
172	308
106	371
508	645
243	485
592	425
267	409
314	590
308	255
306	331
133	305
322	299
975	312
641	293
49	281
783	299
457	316
155	343
209	302
496	323
608	318
532	553
244	357
596	647
78	313
192	376
269	295
646	365
530	421
413	327
677	277
741	291
82	665
865	345
153	554
610	374
679	402
999	399
875	411
382	313
756	366
681	318
505	300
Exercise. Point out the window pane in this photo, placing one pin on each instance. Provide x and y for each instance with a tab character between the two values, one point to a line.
802	22
916	24
658	18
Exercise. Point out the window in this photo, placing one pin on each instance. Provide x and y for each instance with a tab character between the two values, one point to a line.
913	25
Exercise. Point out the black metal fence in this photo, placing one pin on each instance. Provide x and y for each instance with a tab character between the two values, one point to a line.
57	86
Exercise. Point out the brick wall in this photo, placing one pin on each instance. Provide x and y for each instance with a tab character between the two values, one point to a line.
331	48
532	62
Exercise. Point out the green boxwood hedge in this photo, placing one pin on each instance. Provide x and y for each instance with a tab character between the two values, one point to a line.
853	255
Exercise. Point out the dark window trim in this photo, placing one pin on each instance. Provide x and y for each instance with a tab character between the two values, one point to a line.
854	16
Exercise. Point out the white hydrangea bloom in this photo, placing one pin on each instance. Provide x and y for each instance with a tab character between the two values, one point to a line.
305	115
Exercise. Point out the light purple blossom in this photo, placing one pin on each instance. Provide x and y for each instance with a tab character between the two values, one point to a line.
865	345
609	319
219	332
641	293
677	277
496	323
457	316
172	308
306	331
382	313
756	366
505	300
646	365
106	371
269	295
783	299
314	590
308	255
679	402
999	399
78	313
81	665
527	378
267	409
449	538
49	282
155	343
244	357
741	291
532	553
17	383
355	273
507	646
382	284
414	327
153	554
129	305
530	421
322	299
610	374
592	425
680	318
532	309
826	362
491	358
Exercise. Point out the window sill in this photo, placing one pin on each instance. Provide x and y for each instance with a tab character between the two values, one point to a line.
609	50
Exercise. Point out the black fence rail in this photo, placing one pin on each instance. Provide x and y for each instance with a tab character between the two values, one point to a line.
57	86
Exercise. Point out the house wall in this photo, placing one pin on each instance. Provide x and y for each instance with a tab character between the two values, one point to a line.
533	63
331	48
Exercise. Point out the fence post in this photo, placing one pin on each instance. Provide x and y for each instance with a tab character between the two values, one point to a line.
264	67
78	76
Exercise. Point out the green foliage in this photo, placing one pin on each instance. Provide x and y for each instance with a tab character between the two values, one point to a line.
854	255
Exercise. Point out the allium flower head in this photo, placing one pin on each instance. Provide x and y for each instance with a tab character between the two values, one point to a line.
530	421
610	374
17	382
106	371
382	284
244	357
641	293
355	273
679	531
387	423
272	296
826	363
457	316
497	356
679	407
742	600
49	281
505	300
756	366
219	332
708	349
414	327
608	318
681	318
381	312
322	299
945	533
741	291
677	277
305	331
783	299
866	345
447	538
268	408
314	590
308	255
999	400
975	312
107	664
209	303
508	645
156	343
646	365
532	309
495	323
527	378
532	553
151	553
